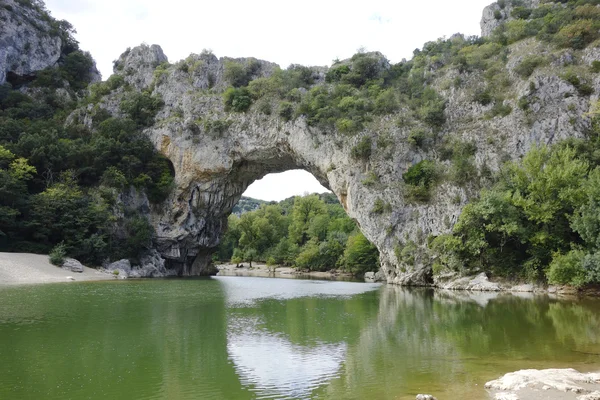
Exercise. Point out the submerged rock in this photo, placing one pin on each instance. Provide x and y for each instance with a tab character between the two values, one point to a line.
527	384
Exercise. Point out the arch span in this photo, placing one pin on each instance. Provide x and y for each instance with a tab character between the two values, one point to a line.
216	153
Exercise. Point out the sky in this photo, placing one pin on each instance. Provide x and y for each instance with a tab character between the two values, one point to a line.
308	32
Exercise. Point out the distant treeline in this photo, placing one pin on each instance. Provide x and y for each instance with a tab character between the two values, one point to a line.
311	232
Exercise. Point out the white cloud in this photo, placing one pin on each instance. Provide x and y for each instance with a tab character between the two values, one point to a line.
311	32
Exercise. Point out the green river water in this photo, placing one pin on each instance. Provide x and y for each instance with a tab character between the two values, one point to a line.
261	338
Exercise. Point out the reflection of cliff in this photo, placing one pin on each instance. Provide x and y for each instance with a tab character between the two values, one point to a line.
435	342
121	340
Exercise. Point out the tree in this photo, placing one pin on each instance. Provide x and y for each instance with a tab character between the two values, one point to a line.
360	255
304	210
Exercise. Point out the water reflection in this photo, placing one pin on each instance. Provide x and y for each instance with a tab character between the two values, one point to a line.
245	338
284	339
273	367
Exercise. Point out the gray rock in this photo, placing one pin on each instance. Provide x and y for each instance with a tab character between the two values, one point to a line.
425	397
370	276
123	264
71	264
477	283
568	383
27	41
214	166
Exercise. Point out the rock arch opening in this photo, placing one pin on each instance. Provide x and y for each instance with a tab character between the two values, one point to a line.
190	233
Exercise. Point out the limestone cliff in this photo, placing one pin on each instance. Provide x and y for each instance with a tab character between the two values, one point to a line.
216	152
31	41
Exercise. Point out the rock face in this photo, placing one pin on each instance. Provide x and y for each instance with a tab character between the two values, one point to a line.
214	166
553	383
152	265
216	154
498	13
28	41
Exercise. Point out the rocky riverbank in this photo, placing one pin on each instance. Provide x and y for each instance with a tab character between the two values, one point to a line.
263	270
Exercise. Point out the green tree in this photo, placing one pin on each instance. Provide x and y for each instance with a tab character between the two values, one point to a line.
360	255
304	210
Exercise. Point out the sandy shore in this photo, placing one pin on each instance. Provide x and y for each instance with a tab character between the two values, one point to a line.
24	268
262	270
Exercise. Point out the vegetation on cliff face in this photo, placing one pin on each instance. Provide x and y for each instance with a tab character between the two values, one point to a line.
70	184
311	232
59	183
540	221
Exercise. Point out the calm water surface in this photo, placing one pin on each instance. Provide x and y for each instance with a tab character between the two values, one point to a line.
260	338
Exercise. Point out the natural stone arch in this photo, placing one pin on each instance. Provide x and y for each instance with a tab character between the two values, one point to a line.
207	188
216	154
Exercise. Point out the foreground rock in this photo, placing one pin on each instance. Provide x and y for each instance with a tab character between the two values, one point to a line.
71	264
546	384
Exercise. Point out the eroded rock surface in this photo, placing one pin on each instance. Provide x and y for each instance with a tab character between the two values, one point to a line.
545	384
28	41
216	153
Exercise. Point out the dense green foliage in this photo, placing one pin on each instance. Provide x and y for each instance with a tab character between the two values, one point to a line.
311	232
59	183
541	220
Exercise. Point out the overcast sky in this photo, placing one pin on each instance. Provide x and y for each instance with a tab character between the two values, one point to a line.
308	32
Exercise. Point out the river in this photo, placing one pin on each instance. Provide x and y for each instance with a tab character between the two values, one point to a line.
264	338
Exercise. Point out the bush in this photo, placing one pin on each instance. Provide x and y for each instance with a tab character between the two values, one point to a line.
360	255
567	269
58	254
423	174
578	34
336	74
286	110
362	150
142	108
528	65
417	137
483	97
237	99
239	75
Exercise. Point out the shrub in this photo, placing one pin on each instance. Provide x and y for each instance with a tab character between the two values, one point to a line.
578	34
346	125
567	269
360	255
286	110
595	67
362	150
421	174
499	109
58	254
142	108
483	97
336	74
520	12
237	99
379	207
528	65
239	75
417	137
